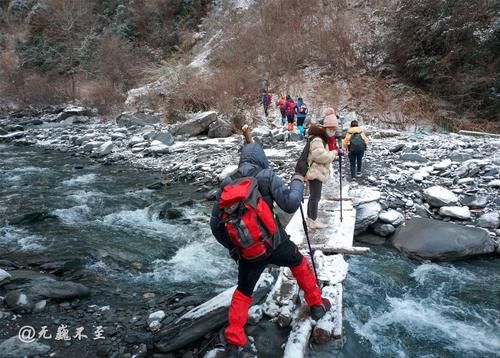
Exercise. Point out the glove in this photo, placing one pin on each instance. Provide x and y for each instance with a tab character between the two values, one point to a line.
235	254
301	167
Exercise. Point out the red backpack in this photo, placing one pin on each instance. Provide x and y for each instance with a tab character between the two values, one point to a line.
247	218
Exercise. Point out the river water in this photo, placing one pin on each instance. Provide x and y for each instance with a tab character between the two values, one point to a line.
107	225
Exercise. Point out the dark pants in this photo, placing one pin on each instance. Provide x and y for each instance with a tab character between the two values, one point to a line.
286	254
355	160
314	198
283	117
300	121
290	119
266	107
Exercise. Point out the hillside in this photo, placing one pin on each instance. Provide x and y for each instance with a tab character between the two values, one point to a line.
396	62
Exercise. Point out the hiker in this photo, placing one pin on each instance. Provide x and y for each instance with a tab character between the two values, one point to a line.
266	101
277	249
322	152
301	113
281	103
355	142
290	112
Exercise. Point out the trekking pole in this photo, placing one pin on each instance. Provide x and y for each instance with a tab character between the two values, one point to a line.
309	243
340	184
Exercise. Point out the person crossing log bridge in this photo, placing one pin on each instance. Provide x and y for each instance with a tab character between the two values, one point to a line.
242	221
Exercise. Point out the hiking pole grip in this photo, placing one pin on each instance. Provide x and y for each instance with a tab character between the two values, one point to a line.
309	243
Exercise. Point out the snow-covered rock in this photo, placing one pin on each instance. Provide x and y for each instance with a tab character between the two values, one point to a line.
383	229
392	217
459	212
364	195
443	165
197	125
4	276
489	220
366	215
494	183
227	171
438	196
158	147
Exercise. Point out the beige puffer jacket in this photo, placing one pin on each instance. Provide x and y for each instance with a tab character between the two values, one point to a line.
319	160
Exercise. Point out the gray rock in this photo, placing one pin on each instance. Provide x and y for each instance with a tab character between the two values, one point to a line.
104	149
443	165
4	277
261	132
469	168
414	157
494	183
220	129
165	137
366	215
18	301
75	111
76	120
197	125
15	348
458	212
158	147
31	218
63	290
489	220
91	146
438	196
141	119
396	148
392	217
441	241
156	316
474	202
383	229
370	238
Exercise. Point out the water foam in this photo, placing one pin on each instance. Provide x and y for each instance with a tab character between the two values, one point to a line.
142	219
22	239
81	180
75	214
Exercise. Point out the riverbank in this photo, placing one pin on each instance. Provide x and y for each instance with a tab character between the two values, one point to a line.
398	171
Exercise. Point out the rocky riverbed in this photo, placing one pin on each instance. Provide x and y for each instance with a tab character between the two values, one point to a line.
450	178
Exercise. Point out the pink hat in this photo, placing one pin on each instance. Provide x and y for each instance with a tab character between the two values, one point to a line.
330	118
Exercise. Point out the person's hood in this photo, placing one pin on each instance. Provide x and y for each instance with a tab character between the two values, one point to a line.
329	111
353	130
252	156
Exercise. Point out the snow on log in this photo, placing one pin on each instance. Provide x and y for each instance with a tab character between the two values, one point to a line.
204	318
298	339
331	269
330	326
353	250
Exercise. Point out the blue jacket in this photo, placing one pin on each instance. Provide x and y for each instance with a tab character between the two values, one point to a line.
266	100
296	109
272	188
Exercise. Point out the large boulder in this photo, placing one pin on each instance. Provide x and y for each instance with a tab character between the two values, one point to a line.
62	290
441	241
197	125
220	129
458	212
438	196
164	137
366	215
128	119
77	112
414	157
15	348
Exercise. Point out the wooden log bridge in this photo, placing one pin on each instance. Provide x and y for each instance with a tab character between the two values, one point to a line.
277	297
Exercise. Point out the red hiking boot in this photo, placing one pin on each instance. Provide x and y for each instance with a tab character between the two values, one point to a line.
318	311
